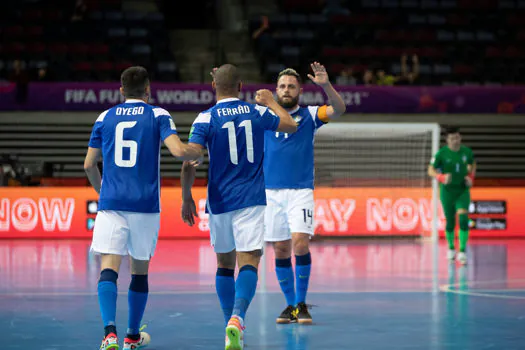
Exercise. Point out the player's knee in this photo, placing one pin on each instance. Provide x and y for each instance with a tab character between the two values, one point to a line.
463	221
226	260
139	283
283	249
301	244
108	275
139	267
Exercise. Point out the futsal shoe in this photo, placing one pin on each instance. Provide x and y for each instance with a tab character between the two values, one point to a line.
287	316
110	342
137	344
302	314
235	334
451	255
462	258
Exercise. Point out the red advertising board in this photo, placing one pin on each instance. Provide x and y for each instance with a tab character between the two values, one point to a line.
69	212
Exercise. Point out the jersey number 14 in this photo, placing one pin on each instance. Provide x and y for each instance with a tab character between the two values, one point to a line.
232	140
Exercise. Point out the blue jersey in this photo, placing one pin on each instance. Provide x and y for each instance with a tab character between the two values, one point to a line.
233	131
130	136
289	158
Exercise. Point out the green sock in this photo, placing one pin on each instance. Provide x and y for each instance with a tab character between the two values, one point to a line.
463	238
450	239
463	232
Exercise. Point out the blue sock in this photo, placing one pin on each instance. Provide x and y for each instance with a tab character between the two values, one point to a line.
107	296
225	286
137	299
245	287
285	276
303	264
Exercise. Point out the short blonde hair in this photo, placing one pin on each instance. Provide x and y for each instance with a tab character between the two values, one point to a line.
291	72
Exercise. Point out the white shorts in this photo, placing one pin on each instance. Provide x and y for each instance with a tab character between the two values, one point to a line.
287	211
123	233
242	230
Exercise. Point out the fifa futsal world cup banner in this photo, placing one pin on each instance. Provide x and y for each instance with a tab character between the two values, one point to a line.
197	97
60	212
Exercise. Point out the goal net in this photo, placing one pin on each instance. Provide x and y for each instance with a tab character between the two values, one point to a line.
382	169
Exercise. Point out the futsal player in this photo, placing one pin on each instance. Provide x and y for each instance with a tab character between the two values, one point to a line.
128	138
233	133
289	175
455	168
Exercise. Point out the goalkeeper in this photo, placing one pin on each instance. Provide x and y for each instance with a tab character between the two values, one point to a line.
454	167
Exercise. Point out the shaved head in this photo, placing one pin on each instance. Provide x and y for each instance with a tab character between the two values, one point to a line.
227	80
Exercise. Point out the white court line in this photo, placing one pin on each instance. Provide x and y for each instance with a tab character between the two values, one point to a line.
200	292
449	288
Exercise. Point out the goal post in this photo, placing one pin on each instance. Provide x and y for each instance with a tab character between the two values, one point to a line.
386	156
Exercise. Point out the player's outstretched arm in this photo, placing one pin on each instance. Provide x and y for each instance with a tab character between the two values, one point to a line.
187	176
337	106
90	167
182	151
265	98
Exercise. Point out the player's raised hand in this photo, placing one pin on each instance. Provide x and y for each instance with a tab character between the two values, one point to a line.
264	97
212	73
320	76
189	212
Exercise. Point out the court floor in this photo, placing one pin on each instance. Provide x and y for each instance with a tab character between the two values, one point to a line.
366	295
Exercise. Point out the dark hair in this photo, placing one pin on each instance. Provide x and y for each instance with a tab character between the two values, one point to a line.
134	81
291	72
227	79
451	130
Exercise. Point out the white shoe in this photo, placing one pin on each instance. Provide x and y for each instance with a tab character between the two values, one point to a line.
137	344
451	254
462	258
235	334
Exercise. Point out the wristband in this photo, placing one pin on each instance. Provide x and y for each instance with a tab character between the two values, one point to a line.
471	176
440	178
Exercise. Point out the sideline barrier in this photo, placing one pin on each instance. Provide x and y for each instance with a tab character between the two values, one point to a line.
69	212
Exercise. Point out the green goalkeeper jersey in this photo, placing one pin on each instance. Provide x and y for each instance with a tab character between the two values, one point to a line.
455	163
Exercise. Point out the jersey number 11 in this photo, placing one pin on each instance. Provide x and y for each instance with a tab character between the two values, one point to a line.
232	140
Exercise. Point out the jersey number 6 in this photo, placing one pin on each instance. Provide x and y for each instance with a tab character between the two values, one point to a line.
232	140
120	144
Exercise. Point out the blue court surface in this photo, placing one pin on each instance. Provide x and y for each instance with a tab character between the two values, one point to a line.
366	294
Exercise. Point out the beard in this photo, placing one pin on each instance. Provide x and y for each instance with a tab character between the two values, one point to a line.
289	102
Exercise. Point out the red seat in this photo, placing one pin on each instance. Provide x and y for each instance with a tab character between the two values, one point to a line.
493	52
103	66
79	49
82	66
336	68
352	52
120	66
58	48
99	49
371	52
332	51
463	69
392	51
36	48
34	31
14	31
513	52
431	51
